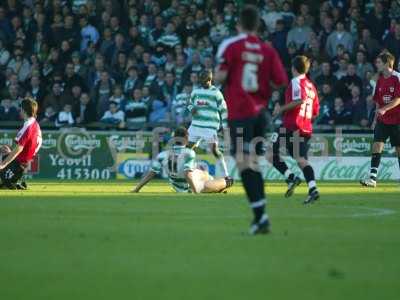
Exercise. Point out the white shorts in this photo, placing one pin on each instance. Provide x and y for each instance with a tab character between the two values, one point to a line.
200	178
205	134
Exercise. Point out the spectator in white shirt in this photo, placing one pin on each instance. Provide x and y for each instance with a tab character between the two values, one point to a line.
114	115
65	118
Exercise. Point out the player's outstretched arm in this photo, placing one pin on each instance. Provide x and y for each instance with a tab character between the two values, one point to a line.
389	106
13	154
149	176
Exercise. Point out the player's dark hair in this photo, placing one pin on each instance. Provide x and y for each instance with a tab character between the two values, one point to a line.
301	64
30	107
249	18
179	135
205	77
387	58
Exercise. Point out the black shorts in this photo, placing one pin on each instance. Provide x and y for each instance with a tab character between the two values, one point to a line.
297	146
384	131
248	135
12	174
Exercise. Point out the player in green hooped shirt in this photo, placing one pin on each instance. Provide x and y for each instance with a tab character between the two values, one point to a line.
180	166
209	115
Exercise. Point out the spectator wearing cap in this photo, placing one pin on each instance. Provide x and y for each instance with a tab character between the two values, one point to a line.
88	33
339	37
114	116
299	34
85	110
8	112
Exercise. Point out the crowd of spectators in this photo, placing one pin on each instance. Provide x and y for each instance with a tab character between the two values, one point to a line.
130	63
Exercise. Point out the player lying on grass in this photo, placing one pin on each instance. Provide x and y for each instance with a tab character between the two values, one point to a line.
180	165
28	142
208	109
300	109
387	118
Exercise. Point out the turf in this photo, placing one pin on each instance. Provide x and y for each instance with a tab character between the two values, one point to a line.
96	241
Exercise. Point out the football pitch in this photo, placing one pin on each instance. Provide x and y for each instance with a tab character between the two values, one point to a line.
85	240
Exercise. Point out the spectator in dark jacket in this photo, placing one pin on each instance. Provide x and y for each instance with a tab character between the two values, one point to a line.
8	112
340	115
85	110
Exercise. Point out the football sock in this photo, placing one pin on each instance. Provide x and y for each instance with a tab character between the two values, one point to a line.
219	155
308	172
375	161
254	186
282	167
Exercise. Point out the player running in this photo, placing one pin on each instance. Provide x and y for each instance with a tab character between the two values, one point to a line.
208	109
28	143
180	165
300	109
249	67
387	118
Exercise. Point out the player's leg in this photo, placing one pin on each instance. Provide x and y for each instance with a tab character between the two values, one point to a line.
220	156
194	137
291	179
381	133
242	133
11	175
299	151
217	185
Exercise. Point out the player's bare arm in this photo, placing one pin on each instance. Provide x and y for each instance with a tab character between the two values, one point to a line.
288	107
13	154
220	75
145	180
388	106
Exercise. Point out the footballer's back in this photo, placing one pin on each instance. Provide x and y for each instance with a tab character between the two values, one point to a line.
251	65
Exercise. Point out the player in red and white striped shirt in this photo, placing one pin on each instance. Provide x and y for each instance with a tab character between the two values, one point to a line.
28	143
300	109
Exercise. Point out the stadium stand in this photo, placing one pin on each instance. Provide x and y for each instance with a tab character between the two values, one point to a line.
131	64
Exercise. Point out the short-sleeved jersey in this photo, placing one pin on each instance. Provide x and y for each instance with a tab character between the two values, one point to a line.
30	138
176	162
251	66
210	107
386	90
301	117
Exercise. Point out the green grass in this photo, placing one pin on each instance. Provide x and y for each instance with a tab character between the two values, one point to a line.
96	241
